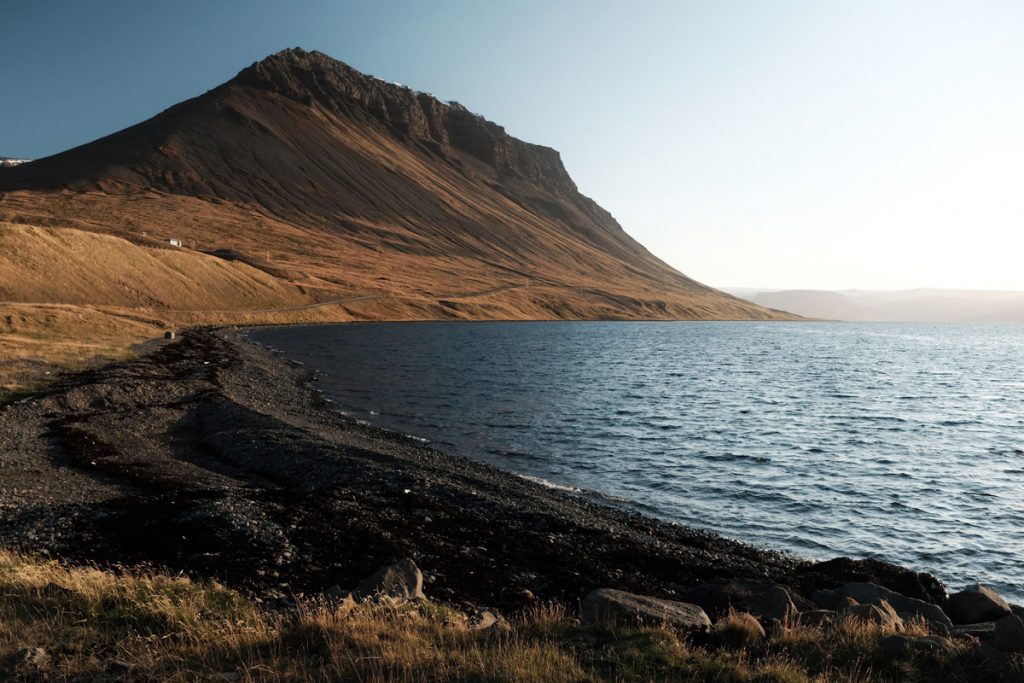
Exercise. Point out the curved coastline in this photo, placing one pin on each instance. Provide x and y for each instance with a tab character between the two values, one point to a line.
212	456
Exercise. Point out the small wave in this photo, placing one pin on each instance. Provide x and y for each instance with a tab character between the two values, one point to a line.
518	455
550	484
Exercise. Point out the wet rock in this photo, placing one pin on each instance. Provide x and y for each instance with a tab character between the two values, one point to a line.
880	613
400	580
977	603
609	605
775	603
1009	634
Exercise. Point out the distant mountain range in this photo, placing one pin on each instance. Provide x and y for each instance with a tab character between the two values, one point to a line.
341	186
8	162
911	305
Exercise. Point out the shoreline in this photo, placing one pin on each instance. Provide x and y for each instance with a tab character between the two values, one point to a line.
214	457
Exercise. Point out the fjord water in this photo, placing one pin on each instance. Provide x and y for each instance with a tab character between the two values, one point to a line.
903	442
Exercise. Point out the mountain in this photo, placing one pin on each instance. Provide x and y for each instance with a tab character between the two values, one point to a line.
813	304
356	190
911	305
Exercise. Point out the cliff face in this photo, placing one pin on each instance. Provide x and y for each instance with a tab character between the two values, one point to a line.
347	183
307	77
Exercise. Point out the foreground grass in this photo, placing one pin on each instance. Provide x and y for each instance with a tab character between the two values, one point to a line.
98	625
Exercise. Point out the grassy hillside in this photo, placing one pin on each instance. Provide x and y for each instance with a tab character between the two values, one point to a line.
72	296
49	265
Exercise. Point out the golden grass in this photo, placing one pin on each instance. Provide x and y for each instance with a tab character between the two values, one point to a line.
74	297
60	265
147	626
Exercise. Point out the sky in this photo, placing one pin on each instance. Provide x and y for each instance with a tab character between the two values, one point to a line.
769	143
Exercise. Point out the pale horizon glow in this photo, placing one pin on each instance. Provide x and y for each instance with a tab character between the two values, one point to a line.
783	145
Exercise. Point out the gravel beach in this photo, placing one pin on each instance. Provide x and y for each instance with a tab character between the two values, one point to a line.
209	455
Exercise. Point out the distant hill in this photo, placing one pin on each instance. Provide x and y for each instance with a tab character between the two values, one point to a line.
913	305
340	186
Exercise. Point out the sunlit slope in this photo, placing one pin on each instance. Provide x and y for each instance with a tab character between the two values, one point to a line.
47	265
323	177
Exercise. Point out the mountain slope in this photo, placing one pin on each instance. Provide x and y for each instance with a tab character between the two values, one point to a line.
911	305
336	181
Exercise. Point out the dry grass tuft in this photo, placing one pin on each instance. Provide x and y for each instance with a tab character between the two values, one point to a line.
95	624
739	630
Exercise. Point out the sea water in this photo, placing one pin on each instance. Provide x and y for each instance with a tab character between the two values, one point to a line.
902	442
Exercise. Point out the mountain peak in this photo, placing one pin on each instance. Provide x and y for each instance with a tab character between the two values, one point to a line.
313	78
359	185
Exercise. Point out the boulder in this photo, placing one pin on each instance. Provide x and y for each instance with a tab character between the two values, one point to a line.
864	593
775	603
909	608
984	630
880	613
1009	634
898	646
607	605
169	334
912	584
895	646
484	620
817	617
831	600
825	598
977	603
906	608
999	663
336	593
400	580
717	599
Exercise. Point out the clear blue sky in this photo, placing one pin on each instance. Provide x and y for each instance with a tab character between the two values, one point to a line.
870	144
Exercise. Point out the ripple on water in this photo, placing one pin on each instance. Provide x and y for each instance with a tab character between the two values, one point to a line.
901	442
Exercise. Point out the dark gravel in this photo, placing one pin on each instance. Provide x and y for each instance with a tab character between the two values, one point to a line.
213	457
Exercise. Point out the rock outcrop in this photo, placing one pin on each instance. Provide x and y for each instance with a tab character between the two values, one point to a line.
607	605
977	603
402	580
